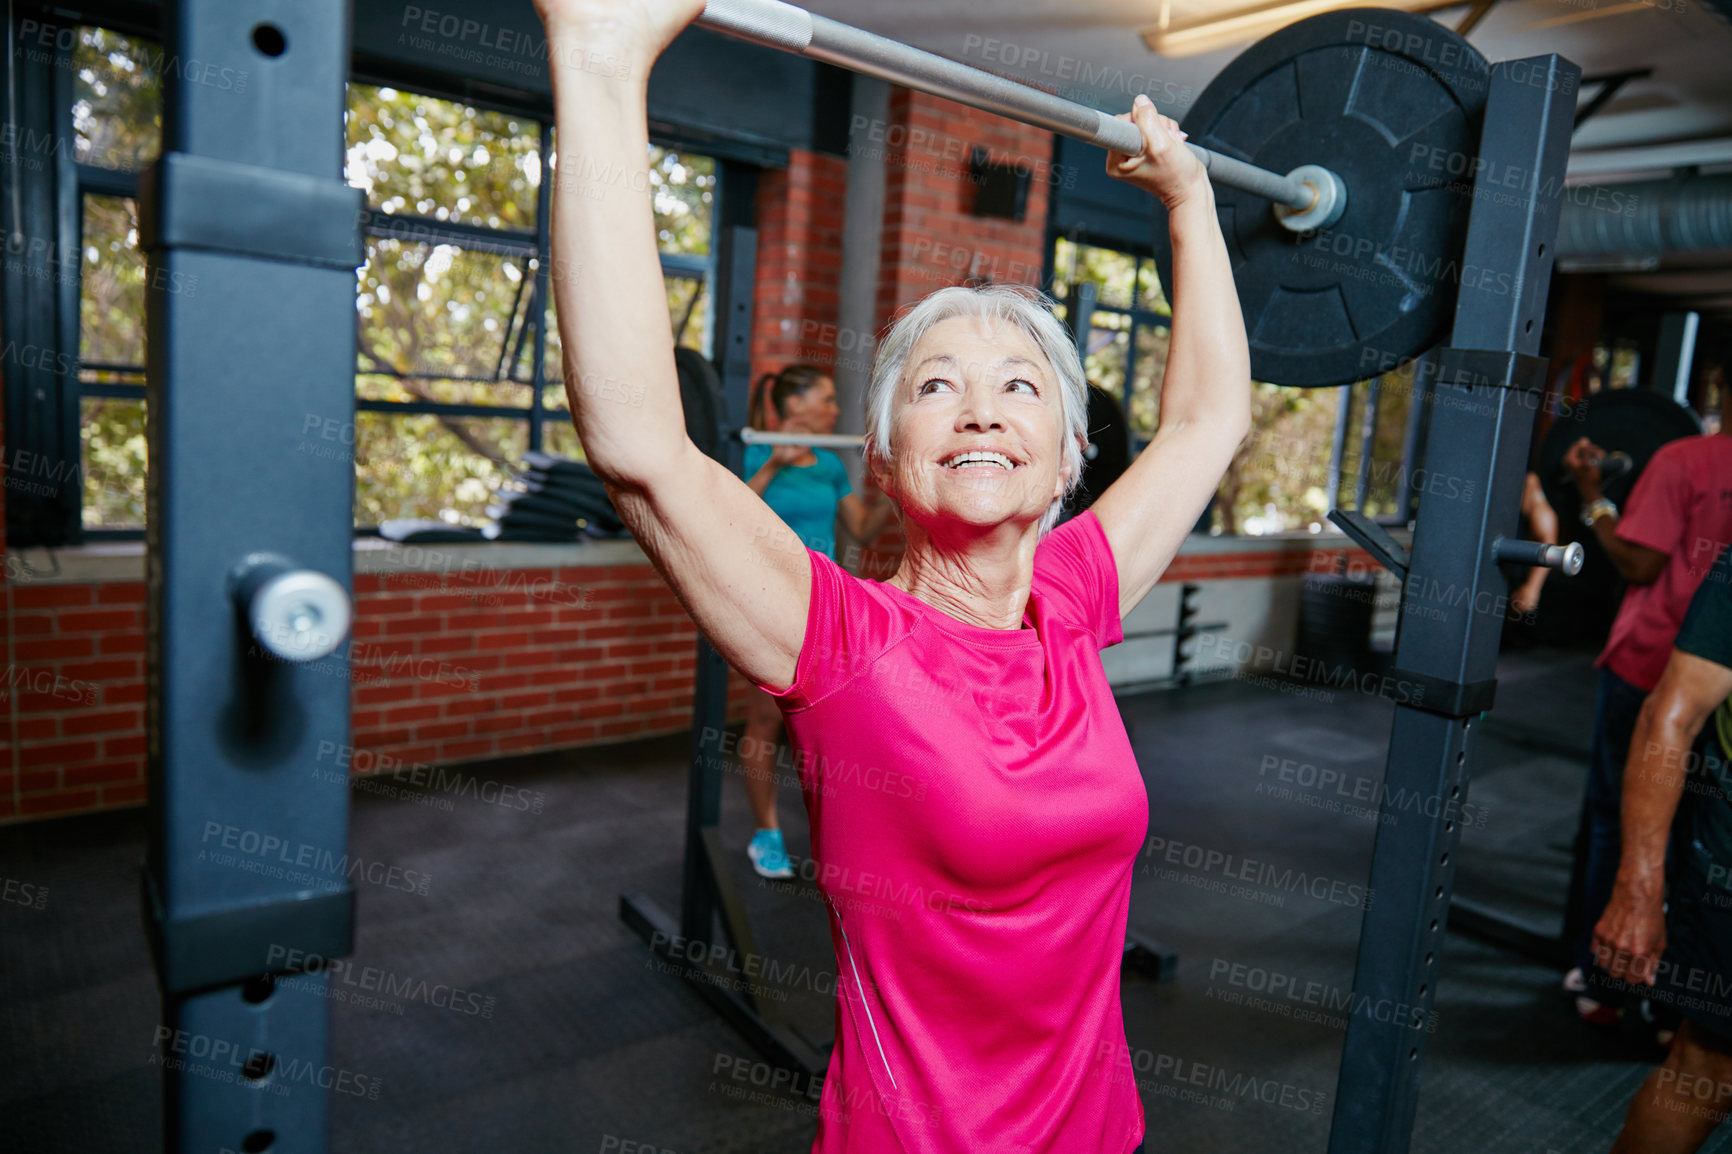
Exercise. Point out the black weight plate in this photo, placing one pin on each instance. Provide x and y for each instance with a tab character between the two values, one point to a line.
1109	444
701	398
1633	421
1391	103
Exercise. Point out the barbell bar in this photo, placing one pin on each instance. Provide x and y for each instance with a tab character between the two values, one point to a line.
820	440
836	440
1308	198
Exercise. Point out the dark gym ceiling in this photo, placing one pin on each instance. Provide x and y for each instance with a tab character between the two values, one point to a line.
1676	118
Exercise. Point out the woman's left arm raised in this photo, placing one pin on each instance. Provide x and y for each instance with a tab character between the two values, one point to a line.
1206	394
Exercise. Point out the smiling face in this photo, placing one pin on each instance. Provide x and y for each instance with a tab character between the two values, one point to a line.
977	429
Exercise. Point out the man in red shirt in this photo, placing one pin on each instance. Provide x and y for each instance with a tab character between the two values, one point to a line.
1676	521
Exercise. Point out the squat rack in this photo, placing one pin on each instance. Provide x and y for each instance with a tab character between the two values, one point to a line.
249	197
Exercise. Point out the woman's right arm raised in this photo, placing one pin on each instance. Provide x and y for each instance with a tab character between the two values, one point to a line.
735	565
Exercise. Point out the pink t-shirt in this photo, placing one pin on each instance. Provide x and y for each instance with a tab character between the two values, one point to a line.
1682	507
976	813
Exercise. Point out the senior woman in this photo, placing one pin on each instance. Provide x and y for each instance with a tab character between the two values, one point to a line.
975	808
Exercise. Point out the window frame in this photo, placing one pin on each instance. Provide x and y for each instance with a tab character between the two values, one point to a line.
1139	318
1360	482
46	422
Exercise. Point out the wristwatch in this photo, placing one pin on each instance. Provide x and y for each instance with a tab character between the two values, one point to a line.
1597	509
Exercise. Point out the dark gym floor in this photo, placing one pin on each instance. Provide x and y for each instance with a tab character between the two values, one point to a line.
585	1046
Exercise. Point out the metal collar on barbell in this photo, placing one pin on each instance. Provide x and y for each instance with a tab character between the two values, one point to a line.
1330	201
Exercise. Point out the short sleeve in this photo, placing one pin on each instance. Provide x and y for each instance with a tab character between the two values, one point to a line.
756	455
1658	509
1707	628
839	477
1078	578
849	626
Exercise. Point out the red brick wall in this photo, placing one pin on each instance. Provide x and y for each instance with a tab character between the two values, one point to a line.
74	698
799	275
931	237
445	667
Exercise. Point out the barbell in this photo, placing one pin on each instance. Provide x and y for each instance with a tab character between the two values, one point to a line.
1311	195
1361	126
818	440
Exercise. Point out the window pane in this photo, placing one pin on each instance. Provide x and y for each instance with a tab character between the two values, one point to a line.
1109	341
1149	293
432	468
1350	448
111	284
437	310
116	100
1114	274
415	154
1145	406
1393	403
688	306
684	188
114	461
1626	364
683	293
1279	479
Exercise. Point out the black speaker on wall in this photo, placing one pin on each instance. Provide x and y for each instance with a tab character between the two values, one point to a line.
1000	188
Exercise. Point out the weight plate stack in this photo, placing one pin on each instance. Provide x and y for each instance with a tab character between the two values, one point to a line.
1109	451
701	398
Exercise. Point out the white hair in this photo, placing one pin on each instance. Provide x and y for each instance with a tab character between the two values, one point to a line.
1029	310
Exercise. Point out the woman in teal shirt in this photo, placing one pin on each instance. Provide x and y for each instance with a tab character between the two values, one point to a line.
809	489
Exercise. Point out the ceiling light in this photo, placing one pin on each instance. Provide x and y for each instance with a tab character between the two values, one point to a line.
1192	27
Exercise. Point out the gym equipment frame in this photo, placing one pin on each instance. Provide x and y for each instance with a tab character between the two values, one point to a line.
249	197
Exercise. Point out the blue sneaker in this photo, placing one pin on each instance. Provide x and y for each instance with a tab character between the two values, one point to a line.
768	856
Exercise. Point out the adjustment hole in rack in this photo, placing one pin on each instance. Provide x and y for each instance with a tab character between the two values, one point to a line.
269	40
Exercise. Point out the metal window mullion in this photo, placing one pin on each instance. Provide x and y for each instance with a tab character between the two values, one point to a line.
395	375
1367	441
693	267
111	390
1338	447
70	208
430	230
99	181
439	409
538	304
